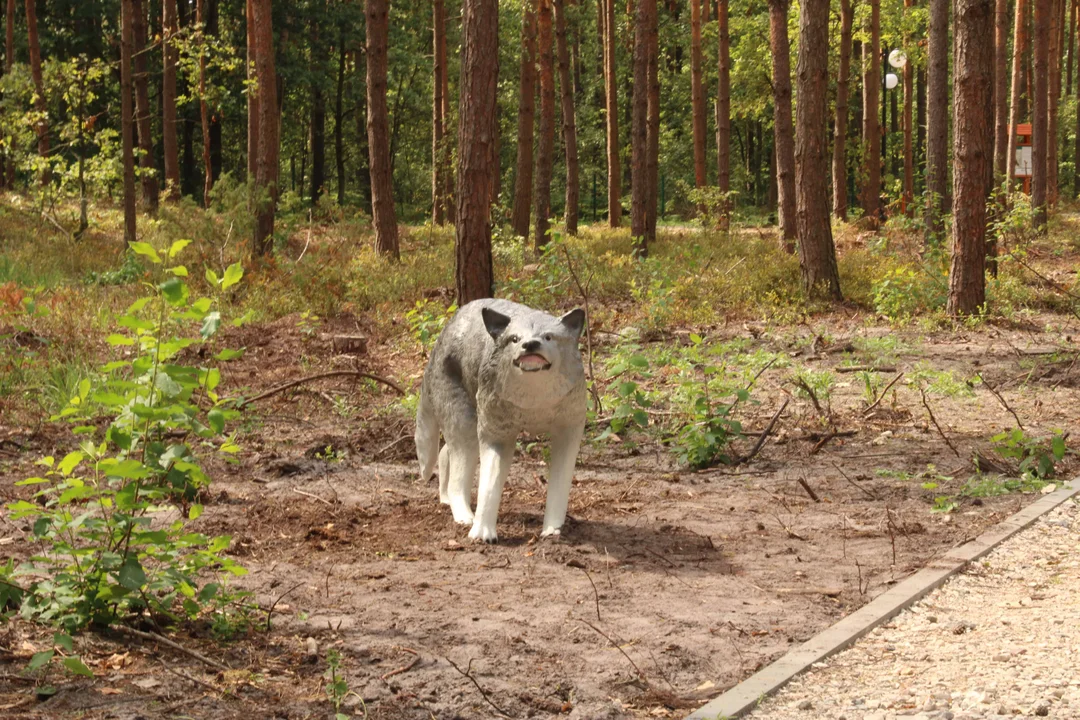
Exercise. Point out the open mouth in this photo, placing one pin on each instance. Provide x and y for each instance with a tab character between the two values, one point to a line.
532	362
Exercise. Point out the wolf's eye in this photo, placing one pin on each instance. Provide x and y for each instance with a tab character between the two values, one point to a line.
514	339
548	336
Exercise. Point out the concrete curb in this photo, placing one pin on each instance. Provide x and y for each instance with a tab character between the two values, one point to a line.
745	696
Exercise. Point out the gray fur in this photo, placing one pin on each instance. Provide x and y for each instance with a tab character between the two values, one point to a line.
484	385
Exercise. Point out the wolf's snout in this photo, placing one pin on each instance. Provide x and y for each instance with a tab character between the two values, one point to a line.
531	346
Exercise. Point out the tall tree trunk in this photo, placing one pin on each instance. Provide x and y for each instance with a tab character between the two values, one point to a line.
1040	135
41	124
448	173
652	125
438	120
142	109
920	127
639	132
204	108
318	107
840	124
783	127
611	95
526	122
569	122
9	60
723	106
973	149
266	170
909	103
937	118
127	118
252	96
339	117
383	216
817	254
1053	95
169	30
1070	47
697	96
1016	110
1001	90
545	143
871	191
476	132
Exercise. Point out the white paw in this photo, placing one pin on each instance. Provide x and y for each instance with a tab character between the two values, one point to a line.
482	533
444	499
551	532
462	514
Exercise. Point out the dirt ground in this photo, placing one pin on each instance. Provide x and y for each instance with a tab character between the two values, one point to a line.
667	587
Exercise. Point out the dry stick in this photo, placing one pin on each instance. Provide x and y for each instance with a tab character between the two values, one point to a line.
883	394
616	645
270	612
313	497
1000	400
320	376
584	290
864	368
764	434
821	443
892	534
187	677
402	669
596	595
934	420
171	643
809	490
813	396
468	673
869	494
751	383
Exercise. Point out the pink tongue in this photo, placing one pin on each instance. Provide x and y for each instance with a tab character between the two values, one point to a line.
531	359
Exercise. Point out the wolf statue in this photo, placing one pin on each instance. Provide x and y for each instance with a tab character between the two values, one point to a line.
500	368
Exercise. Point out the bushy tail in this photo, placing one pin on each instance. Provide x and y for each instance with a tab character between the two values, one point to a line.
427	438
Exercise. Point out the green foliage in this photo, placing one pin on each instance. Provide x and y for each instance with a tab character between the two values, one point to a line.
628	400
337	687
1037	457
111	519
704	441
427	319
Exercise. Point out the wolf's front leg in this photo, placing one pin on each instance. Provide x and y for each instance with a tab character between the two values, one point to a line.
495	459
564	449
462	454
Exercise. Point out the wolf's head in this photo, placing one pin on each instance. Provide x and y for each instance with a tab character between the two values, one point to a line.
536	343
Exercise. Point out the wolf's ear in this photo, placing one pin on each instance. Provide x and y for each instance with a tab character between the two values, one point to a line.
574	321
494	321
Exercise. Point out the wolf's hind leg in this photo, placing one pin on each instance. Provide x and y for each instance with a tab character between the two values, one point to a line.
444	475
463	456
564	449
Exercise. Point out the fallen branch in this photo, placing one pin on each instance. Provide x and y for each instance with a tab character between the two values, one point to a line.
869	494
810	392
298	491
321	376
402	669
934	420
1000	400
596	595
881	397
821	443
181	673
618	647
171	643
764	434
468	673
270	611
864	368
809	490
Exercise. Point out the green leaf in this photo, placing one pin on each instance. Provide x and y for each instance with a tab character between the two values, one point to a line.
70	462
195	512
211	277
179	271
216	419
146	250
244	319
1057	446
63	641
75	665
131	575
116	339
226	355
639	362
233	274
127	469
32	481
84	388
695	338
177	247
210	325
40	659
202	304
175	291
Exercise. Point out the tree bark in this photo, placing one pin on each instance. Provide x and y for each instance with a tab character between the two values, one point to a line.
1001	90
438	119
252	95
169	142
973	148
1040	137
871	190
783	127
1053	95
569	122
937	119
127	124
339	118
1071	46
817	254
723	107
909	102
697	96
383	215
840	124
545	143
318	104
476	133
611	95
1020	40
266	169
204	108
142	109
652	126
9	60
639	129
41	125
523	179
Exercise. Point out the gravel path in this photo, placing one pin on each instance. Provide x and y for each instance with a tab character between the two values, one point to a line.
1001	639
